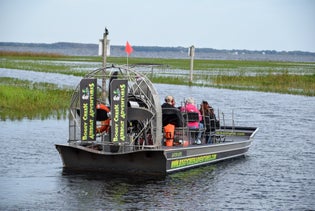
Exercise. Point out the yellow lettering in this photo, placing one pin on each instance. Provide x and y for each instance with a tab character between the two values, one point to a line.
192	161
177	154
91	131
122	101
115	138
174	164
231	133
85	132
116	117
92	111
122	131
85	111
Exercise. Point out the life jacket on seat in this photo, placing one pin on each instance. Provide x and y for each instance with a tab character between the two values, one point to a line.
102	115
169	134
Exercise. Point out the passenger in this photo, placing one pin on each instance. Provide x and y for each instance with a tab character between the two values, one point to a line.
190	107
171	118
171	114
209	119
169	102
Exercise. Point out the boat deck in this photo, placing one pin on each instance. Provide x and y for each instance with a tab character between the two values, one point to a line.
222	140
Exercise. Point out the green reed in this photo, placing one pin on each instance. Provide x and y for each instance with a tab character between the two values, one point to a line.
280	83
24	99
271	76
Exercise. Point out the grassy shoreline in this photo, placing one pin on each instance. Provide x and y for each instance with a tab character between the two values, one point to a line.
267	76
8	57
24	99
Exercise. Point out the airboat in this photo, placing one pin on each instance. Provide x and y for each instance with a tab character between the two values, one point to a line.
116	127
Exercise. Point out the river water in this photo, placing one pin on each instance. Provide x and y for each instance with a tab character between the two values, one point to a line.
278	172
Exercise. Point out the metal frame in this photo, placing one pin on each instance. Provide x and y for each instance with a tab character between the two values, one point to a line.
139	86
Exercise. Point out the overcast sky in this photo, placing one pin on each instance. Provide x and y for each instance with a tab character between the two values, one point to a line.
221	24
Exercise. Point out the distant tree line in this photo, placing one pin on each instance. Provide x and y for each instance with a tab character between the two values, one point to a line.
82	49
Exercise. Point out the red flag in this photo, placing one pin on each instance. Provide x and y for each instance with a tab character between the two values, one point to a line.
128	48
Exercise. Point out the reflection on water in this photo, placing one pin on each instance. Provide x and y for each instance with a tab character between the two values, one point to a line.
137	192
276	174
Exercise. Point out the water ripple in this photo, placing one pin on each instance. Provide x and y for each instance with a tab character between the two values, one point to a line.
276	174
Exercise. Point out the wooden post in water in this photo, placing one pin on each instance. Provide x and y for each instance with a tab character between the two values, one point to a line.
104	45
191	54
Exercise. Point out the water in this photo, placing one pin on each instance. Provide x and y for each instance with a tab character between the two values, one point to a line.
60	79
276	174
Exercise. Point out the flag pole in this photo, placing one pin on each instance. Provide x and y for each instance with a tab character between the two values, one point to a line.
104	64
127	61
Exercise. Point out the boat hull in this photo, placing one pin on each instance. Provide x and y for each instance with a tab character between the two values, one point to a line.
137	162
150	161
196	156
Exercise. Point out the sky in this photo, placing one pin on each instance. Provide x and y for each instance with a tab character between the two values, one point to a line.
281	25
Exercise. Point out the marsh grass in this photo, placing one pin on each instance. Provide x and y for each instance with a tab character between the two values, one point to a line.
44	62
168	80
280	83
24	99
270	76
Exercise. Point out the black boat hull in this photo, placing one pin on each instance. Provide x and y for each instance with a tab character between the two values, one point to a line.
137	162
150	161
